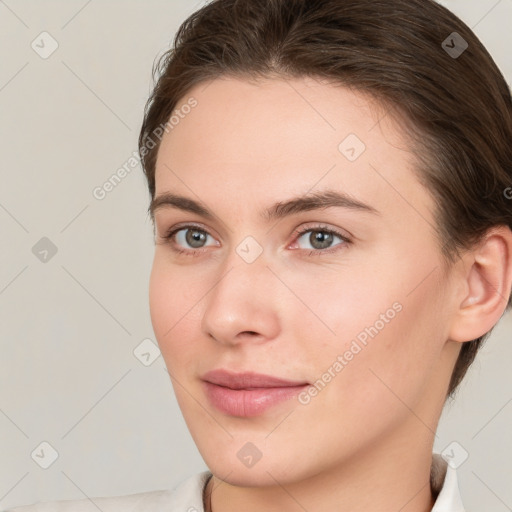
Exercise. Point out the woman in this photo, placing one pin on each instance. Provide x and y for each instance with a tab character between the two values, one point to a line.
332	245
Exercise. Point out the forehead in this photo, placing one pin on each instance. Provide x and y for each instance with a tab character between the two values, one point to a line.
271	139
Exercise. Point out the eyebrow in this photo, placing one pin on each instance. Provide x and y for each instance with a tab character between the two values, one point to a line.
308	202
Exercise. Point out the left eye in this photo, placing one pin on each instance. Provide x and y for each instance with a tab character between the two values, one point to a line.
319	238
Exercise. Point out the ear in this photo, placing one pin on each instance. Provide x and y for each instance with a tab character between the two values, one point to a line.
486	286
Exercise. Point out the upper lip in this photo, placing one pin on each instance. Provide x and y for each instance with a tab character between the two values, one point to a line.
247	380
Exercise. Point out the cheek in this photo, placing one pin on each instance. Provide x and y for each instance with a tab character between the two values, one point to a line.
341	307
172	300
161	300
390	356
380	321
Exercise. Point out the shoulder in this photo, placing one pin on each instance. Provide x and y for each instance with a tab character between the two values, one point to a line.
187	496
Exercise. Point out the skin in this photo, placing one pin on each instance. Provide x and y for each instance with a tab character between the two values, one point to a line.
364	442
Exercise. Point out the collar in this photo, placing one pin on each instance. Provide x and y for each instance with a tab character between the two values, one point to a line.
445	486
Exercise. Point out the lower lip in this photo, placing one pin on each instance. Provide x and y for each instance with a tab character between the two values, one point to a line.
248	402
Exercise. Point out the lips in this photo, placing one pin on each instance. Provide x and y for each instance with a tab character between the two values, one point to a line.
247	380
247	394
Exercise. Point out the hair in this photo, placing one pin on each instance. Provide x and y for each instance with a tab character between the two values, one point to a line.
457	108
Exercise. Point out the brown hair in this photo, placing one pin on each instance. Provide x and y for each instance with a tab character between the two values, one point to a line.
404	54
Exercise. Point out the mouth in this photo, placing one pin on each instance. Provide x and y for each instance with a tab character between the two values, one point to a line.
248	394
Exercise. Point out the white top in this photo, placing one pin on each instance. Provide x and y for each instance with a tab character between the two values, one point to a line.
188	496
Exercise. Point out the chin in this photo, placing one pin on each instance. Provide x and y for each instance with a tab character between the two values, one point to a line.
269	469
257	476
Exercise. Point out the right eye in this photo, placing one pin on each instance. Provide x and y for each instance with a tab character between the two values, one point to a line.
188	239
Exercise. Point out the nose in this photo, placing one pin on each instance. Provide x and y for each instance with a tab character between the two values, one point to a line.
241	306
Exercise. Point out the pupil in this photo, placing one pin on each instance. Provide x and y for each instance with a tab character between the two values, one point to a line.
195	238
320	239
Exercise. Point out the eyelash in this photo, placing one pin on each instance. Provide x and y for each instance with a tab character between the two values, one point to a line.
296	234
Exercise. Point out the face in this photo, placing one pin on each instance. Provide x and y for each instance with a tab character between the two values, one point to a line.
304	249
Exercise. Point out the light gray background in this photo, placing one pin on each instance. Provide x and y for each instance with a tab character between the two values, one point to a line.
68	374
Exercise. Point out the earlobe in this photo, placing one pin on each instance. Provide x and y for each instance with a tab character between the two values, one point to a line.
488	281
